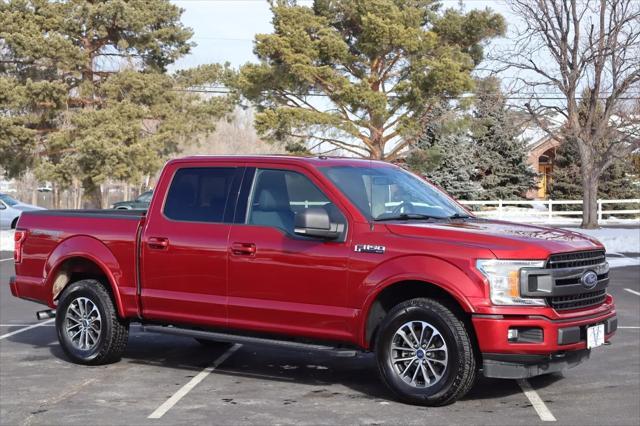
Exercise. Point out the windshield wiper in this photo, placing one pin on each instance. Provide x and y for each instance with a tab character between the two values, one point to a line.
460	216
410	216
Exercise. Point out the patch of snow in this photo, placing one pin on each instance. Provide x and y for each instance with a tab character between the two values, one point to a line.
6	240
615	240
618	262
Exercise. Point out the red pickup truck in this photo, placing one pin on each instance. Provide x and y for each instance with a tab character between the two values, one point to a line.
329	254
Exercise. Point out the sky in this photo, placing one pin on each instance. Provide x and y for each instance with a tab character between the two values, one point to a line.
224	29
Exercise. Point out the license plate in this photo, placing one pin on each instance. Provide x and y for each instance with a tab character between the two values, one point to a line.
595	336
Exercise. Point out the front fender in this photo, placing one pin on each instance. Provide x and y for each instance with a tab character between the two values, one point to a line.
91	249
432	270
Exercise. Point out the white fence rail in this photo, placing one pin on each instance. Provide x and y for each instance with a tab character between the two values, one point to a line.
542	210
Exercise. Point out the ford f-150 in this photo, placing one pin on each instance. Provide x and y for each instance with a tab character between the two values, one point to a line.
328	254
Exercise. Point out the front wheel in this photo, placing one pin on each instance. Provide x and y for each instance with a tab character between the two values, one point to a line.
425	354
89	329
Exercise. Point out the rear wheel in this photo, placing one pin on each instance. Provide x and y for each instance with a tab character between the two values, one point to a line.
14	223
424	353
88	326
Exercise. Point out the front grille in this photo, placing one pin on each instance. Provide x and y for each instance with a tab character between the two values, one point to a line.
576	279
578	301
576	259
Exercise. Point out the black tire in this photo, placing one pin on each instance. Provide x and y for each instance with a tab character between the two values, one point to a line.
14	223
114	332
457	377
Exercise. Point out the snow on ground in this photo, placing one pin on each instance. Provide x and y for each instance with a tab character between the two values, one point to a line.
616	240
619	262
6	240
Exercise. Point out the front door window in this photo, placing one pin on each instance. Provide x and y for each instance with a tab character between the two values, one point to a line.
278	195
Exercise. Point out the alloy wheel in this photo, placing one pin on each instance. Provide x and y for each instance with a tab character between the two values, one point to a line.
419	354
83	324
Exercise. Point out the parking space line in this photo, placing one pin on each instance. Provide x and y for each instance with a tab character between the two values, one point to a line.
4	260
17	324
537	402
4	336
632	291
629	326
26	324
173	400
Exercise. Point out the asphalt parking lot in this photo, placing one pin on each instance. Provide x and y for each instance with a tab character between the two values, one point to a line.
173	380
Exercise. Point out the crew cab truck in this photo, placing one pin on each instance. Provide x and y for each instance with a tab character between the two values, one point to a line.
321	253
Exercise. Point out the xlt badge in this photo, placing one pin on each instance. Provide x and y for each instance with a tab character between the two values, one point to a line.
369	248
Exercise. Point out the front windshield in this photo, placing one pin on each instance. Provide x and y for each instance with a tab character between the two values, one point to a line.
8	200
387	192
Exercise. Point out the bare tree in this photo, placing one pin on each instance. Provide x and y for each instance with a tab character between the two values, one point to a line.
581	59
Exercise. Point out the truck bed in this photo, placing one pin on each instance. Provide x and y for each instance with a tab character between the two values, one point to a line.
94	213
54	237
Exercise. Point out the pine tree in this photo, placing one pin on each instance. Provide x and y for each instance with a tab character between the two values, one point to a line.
565	183
444	154
84	92
620	181
380	64
501	159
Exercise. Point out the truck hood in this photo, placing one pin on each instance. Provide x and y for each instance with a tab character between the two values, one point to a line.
506	240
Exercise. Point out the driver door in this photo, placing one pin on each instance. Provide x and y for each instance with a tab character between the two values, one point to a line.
279	281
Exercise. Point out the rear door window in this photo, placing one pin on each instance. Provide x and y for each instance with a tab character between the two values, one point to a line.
202	194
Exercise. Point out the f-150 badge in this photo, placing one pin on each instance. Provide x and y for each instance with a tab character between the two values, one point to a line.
368	248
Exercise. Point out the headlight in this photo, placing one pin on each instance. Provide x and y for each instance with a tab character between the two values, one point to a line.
504	280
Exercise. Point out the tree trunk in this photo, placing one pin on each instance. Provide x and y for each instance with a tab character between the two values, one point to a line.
377	151
104	191
56	196
94	194
589	198
79	195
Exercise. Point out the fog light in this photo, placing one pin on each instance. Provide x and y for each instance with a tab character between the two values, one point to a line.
525	335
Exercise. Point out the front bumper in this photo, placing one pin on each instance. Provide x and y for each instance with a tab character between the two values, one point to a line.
556	344
509	366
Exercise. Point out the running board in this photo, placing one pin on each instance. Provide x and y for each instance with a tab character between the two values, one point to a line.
235	338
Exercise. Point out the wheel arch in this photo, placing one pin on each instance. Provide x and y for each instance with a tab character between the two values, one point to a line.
399	291
416	276
83	257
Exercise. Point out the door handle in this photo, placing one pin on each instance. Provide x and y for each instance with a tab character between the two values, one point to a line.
158	243
243	249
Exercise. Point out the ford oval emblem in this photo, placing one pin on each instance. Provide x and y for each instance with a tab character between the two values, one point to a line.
589	279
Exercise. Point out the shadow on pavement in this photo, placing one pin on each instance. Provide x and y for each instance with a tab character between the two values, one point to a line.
258	363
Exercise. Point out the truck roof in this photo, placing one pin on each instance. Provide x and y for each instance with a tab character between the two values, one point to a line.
317	161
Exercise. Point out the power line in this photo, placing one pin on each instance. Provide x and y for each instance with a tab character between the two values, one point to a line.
221	90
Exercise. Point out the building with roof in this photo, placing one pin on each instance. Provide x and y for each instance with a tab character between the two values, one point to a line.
541	155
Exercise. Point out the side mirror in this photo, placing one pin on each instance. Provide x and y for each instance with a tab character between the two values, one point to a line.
315	222
2	206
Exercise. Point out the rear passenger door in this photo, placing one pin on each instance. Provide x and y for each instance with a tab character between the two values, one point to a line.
184	245
279	281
